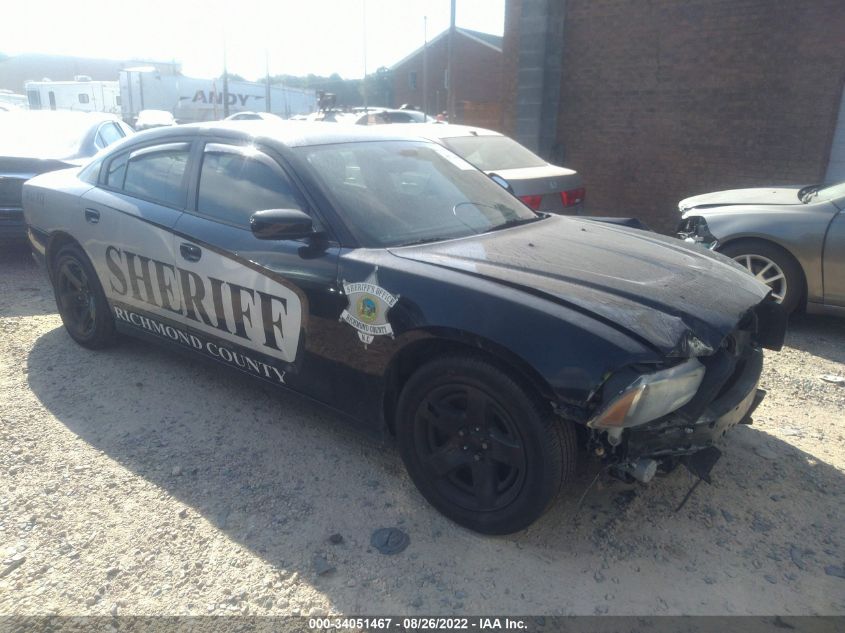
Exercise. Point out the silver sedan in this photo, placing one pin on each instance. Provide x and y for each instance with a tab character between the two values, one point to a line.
790	238
540	185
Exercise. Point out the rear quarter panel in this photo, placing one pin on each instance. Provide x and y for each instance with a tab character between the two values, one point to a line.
52	203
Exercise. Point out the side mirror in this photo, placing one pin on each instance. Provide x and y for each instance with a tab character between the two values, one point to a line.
281	224
504	184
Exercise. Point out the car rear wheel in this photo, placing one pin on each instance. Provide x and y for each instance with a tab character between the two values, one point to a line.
772	266
479	448
80	298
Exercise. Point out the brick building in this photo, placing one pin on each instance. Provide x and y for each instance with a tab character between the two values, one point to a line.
653	102
477	81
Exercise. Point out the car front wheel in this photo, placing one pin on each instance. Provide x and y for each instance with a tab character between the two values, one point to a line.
80	299
479	448
772	266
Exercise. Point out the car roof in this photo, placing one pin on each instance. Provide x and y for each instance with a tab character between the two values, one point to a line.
290	133
436	131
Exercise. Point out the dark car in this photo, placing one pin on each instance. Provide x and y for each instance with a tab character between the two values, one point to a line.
790	238
394	282
33	142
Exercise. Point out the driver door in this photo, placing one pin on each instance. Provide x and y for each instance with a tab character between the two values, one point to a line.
259	305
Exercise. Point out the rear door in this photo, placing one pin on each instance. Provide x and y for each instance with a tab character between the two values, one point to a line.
254	303
130	217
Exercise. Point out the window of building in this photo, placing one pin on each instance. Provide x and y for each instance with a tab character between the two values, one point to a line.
412	80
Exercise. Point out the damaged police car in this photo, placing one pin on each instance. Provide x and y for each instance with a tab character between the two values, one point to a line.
394	282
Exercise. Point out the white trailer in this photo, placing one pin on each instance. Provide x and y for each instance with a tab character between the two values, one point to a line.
84	95
9	99
190	99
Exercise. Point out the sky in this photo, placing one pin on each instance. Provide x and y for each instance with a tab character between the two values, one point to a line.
299	37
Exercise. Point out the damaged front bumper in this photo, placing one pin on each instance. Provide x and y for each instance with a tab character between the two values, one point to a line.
680	433
728	395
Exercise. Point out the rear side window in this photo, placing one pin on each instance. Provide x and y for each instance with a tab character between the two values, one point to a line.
234	185
108	134
399	117
156	173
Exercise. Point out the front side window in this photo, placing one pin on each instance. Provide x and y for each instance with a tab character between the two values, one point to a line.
156	173
391	193
83	98
235	183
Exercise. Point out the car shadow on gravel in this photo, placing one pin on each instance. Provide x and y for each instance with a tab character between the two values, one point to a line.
279	475
820	335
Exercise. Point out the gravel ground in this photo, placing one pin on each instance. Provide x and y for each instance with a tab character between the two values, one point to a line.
139	481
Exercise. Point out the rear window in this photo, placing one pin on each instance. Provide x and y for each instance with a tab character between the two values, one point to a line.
156	175
490	153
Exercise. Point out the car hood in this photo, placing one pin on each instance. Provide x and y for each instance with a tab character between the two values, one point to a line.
733	197
680	299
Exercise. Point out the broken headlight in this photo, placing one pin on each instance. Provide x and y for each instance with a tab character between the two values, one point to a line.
649	396
694	229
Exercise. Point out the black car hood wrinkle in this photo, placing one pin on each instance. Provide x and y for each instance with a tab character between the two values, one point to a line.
656	288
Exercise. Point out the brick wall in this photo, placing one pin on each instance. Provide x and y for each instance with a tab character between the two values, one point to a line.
510	59
487	114
478	76
671	98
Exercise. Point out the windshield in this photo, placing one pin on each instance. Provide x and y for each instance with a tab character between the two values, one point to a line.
392	193
43	134
491	153
831	193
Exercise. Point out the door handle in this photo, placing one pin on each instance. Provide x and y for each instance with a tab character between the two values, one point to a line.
92	216
191	252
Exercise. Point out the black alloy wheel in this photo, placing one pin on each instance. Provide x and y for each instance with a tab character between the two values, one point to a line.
480	448
470	447
80	299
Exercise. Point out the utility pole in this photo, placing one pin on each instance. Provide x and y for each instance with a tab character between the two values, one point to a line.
425	68
364	82
267	88
450	67
225	82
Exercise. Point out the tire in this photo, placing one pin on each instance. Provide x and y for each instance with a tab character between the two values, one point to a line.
768	262
479	448
80	299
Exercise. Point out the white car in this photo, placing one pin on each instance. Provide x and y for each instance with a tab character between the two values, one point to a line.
148	119
253	116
